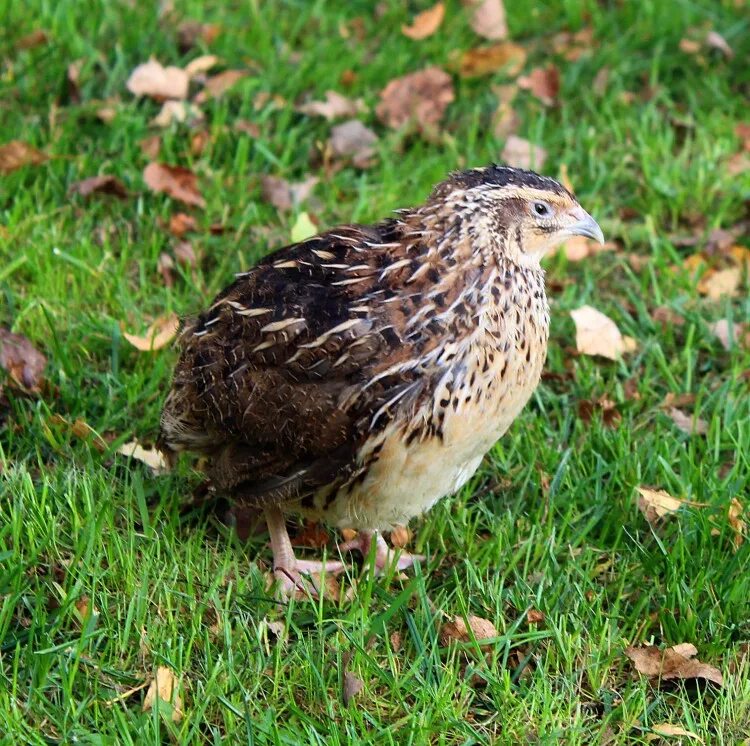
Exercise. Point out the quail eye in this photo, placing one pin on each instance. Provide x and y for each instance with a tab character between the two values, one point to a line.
541	209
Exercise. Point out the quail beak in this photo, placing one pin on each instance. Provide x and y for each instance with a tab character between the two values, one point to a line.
586	226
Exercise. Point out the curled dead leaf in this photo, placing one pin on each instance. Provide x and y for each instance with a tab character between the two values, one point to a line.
152	457
691	425
99	185
425	23
185	254
400	536
610	415
216	85
285	195
22	361
177	111
488	19
717	283
161	332
477	629
201	65
419	99
542	82
154	80
731	334
656	504
177	182
164	688
505	57
677	662
189	33
334	107
354	140
16	154
716	41
597	334
521	153
352	686
181	223
665	730
736	522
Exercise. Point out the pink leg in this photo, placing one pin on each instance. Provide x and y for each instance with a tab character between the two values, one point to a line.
287	569
384	556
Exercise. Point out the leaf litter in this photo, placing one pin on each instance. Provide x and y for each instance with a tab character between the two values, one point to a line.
426	23
674	663
488	19
161	332
175	181
598	335
418	99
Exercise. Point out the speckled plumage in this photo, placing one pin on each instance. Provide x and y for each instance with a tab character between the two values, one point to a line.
361	375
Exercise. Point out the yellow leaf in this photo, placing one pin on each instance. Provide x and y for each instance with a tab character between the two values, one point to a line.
164	688
159	334
667	729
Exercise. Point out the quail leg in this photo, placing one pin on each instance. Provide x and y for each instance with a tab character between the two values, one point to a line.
289	571
384	556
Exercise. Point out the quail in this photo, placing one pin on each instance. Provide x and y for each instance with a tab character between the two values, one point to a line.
359	376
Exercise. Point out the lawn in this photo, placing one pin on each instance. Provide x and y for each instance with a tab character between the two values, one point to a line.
105	575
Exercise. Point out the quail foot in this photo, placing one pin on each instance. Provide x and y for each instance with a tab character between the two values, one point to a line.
361	375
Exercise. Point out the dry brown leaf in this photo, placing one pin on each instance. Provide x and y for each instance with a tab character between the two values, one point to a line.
478	629
247	128
156	81
419	98
716	41
667	317
610	415
164	688
505	56
177	111
99	185
334	107
400	536
352	686
184	254
655	504
165	265
488	20
601	81
734	516
738	164
152	457
534	616
353	140
190	32
218	84
201	65
34	39
285	195
85	608
687	423
715	284
542	82
395	640
159	334
16	154
521	153
181	223
597	334
689	46
664	730
578	248
731	334
21	360
742	130
179	183
677	662
425	23
573	45
150	146
312	535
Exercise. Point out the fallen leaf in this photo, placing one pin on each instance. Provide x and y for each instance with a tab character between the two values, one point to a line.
662	730
179	183
573	45
156	81
542	82
610	415
312	535
34	39
689	46
165	265
655	504
578	248
601	81
303	228
534	616
353	140
715	284
521	153
150	146
334	107
85	608
667	317
419	98
478	629
106	114
738	164
731	334
716	41
99	185
425	23
16	154
285	195
352	686
190	32
742	130
184	254
159	334
400	536
201	65
247	128
395	640
21	360
152	457
164	688
177	111
181	223
734	515
677	662
687	423
597	334
218	84
488	20
73	79
505	120
505	56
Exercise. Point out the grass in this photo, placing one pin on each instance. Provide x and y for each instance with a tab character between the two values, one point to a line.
550	522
